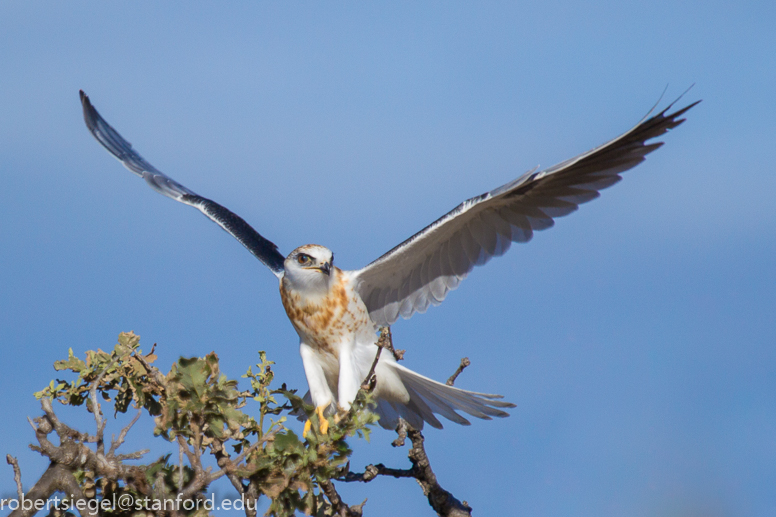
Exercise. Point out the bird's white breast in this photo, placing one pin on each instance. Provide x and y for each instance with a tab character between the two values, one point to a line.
326	321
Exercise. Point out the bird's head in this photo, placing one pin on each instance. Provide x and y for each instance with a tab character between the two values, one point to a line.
310	268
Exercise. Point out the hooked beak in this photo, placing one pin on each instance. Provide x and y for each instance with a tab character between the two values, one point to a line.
325	268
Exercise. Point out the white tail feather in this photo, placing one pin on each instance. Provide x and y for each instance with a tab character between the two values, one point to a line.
428	396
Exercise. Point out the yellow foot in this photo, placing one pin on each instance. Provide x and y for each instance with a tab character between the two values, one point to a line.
340	414
323	424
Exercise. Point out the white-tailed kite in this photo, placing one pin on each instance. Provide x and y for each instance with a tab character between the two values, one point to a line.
336	313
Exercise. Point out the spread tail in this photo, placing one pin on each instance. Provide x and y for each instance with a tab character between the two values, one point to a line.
428	397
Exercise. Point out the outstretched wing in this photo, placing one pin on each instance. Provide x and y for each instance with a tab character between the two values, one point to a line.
421	270
264	250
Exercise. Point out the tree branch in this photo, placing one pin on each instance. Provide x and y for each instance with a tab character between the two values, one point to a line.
464	363
180	467
371	379
56	478
99	420
154	372
386	341
401	430
442	501
115	444
17	475
340	508
72	454
247	471
372	471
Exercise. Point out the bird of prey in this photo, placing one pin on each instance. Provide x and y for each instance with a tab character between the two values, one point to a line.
336	313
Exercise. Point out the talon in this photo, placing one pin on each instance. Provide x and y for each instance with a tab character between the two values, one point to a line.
323	423
341	413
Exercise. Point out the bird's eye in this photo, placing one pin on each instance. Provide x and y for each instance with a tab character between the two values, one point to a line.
303	258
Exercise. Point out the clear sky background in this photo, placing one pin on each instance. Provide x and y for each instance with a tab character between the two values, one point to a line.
637	337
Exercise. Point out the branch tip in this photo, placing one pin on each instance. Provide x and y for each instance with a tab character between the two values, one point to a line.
461	367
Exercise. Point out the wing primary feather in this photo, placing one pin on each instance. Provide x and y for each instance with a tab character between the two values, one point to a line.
486	225
263	249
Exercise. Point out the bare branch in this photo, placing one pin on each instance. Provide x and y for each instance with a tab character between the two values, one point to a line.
99	420
50	422
115	444
197	443
57	477
340	508
189	454
227	465
371	379
180	466
372	471
464	363
401	430
97	411
132	455
63	430
252	495
442	501
266	438
386	341
17	475
73	454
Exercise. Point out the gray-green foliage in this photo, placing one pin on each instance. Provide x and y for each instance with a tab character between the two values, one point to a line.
196	406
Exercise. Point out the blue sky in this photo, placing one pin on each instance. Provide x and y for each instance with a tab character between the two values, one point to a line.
636	336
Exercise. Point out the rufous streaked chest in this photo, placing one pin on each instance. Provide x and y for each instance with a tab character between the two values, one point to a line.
325	322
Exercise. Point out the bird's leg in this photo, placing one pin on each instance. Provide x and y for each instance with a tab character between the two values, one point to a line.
350	376
319	388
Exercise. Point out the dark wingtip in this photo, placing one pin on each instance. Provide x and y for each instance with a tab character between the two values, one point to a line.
85	101
90	114
682	111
